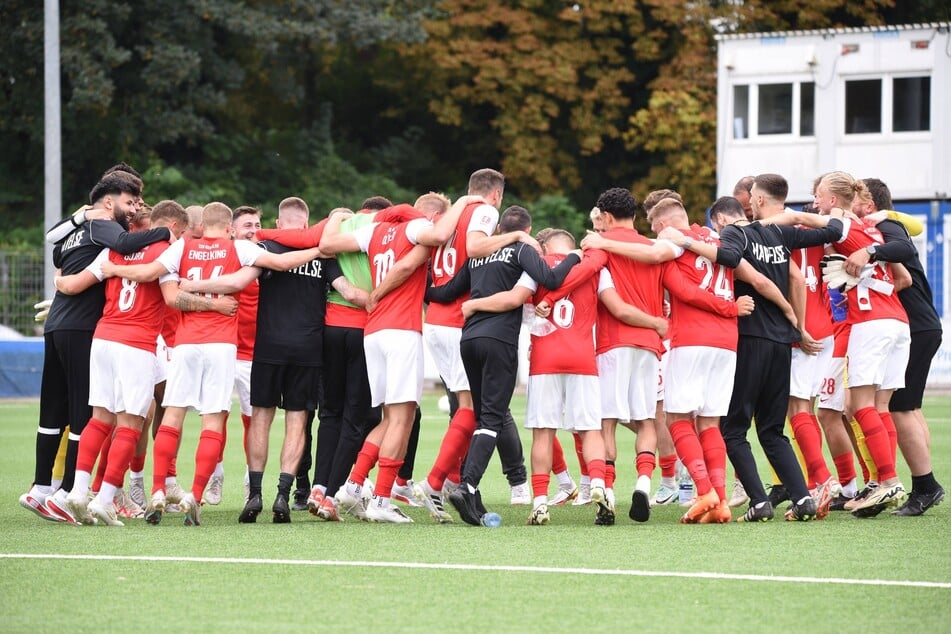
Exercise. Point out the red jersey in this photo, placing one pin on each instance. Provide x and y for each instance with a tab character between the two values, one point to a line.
386	243
818	316
170	324
202	259
345	316
701	325
569	349
450	257
871	299
247	319
134	311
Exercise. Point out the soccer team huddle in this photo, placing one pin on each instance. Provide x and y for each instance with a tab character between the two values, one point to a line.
686	340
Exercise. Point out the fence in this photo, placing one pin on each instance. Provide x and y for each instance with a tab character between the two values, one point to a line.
21	286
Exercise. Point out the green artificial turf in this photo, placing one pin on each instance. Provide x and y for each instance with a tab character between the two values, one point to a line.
268	577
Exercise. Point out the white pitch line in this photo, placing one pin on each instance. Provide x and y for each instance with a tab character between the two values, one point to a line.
484	568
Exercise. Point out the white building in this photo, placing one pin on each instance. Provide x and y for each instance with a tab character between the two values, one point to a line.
871	101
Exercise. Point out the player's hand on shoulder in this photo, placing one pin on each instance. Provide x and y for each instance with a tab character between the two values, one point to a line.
593	240
530	241
744	305
673	235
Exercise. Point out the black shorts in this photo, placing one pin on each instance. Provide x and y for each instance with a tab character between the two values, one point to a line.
924	346
64	391
294	388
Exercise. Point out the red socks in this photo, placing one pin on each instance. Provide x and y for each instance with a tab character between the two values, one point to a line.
206	457
367	457
137	463
246	422
386	475
558	463
224	438
597	469
581	462
609	473
91	440
103	461
453	448
714	455
805	428
844	467
540	484
120	455
688	447
877	441
644	462
668	466
892	434
163	454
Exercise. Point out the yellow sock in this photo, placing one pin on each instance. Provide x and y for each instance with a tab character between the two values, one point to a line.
863	449
59	467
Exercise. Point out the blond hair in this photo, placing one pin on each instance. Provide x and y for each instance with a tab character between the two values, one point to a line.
843	187
216	215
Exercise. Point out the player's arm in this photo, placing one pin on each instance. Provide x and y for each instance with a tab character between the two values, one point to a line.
500	302
354	295
455	288
288	260
107	233
398	273
900	276
190	302
66	226
148	272
912	225
797	298
592	261
678	286
333	242
479	245
223	284
898	247
725	254
295	238
79	282
538	269
444	226
631	315
75	283
765	287
655	253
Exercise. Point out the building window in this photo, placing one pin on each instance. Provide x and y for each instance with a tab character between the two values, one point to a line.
775	109
863	106
911	104
807	109
741	112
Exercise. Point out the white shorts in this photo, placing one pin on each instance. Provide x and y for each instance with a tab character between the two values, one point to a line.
201	376
878	354
563	401
832	393
701	380
163	357
120	377
242	384
628	383
443	344
394	366
807	371
662	370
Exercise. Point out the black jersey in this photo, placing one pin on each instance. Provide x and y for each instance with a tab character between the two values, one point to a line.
767	249
291	309
496	273
917	298
77	251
